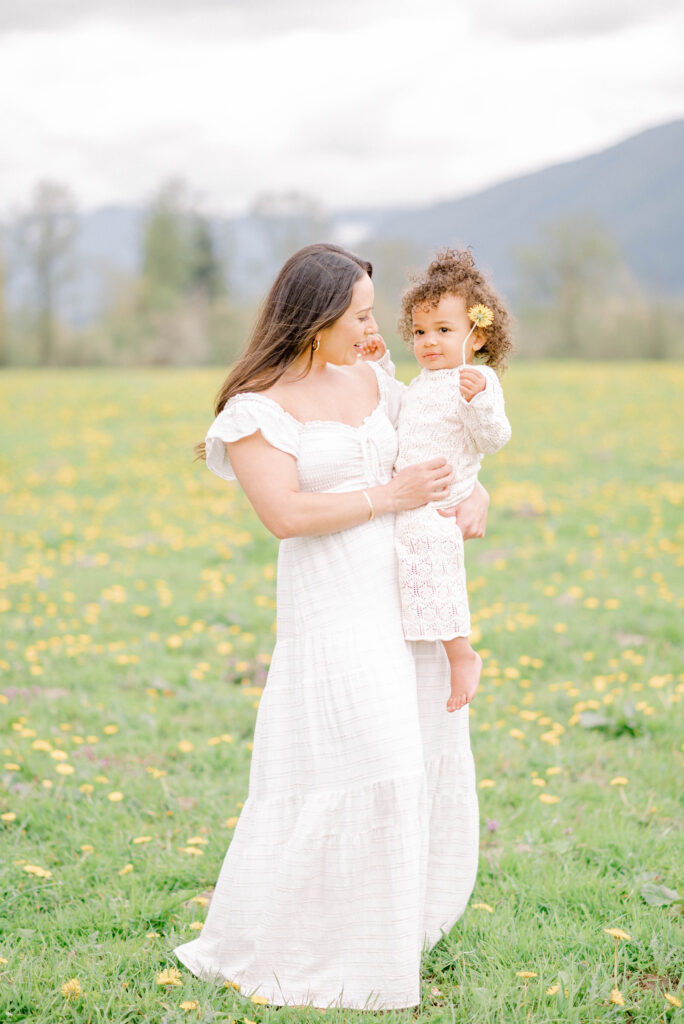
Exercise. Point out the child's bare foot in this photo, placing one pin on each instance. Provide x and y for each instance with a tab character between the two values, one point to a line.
465	665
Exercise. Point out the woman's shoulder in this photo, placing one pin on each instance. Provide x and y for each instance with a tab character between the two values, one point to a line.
244	414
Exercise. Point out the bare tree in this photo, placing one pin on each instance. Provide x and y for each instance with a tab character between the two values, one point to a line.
46	233
288	221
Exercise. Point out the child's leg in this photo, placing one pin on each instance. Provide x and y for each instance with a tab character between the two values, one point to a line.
465	665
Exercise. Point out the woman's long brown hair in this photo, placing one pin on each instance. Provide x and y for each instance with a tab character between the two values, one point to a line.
312	290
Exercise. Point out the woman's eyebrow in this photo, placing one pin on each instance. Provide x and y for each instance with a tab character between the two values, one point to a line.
366	309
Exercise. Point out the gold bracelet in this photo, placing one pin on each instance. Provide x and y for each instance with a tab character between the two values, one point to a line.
370	505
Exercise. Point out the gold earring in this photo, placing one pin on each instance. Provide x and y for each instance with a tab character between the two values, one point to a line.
314	344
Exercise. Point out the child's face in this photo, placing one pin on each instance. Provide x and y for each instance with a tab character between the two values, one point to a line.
438	333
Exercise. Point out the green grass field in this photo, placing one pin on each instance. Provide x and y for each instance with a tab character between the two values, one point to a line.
138	605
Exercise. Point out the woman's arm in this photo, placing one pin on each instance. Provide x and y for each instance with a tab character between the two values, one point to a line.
269	478
471	514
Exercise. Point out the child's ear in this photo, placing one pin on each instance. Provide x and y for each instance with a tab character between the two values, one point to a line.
479	340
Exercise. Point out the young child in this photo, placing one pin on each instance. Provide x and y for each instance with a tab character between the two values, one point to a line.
454	410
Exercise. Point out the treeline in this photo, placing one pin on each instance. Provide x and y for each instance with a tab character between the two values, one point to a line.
192	296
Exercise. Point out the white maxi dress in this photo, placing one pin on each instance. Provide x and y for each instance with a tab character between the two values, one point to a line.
357	845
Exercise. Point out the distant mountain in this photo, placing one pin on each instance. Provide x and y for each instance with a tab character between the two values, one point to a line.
634	189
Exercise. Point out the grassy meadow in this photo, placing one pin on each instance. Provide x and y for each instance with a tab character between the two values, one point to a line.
137	602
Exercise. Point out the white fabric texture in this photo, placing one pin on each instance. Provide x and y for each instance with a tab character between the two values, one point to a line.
357	844
436	420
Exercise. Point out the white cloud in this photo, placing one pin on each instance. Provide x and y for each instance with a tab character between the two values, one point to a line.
419	105
542	19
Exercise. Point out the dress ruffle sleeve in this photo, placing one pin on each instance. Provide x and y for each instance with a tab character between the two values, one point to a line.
242	416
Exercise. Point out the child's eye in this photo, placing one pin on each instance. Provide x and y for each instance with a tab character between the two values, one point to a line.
418	331
443	330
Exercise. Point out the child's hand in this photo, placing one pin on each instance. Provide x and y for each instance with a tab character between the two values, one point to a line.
372	348
471	382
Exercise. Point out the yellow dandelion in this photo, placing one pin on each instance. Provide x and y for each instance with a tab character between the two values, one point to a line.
8	816
189	1004
126	869
552	989
486	783
185	746
197	926
87	848
526	974
481	316
619	780
259	1000
197	841
142	839
617	997
87	787
483	906
3	961
71	989
231	984
618	933
549	798
65	769
203	901
110	729
192	850
231	822
34	869
115	797
171	976
672	999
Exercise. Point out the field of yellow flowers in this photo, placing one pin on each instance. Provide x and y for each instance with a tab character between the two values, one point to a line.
137	602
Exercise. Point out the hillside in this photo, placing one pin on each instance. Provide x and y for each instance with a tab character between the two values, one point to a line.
634	189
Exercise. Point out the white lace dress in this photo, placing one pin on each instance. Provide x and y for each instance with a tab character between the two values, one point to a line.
434	420
357	844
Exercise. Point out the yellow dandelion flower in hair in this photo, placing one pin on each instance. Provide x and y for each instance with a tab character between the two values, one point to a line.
481	316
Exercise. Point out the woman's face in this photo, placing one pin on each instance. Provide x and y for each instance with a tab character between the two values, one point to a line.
340	343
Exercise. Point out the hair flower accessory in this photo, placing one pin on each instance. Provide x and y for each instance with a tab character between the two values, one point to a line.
481	317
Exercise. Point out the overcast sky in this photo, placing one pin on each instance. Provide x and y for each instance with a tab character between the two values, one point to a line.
354	102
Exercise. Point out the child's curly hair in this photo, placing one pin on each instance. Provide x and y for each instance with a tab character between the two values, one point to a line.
453	272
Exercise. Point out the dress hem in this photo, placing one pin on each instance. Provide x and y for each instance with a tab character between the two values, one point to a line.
246	991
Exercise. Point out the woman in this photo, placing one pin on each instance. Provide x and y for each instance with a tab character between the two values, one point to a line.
357	844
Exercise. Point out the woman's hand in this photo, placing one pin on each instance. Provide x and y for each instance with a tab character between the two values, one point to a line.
417	485
471	514
373	348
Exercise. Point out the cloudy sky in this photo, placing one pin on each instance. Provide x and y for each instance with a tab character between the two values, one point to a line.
354	102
